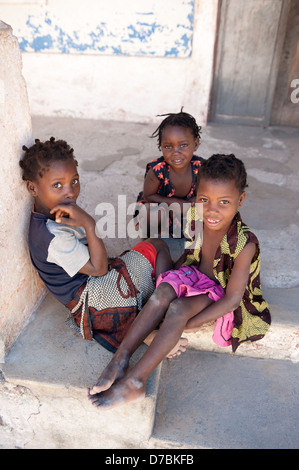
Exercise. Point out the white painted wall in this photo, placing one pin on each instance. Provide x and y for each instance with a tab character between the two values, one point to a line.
91	83
20	287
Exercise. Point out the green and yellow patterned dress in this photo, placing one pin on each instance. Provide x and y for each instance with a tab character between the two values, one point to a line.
252	318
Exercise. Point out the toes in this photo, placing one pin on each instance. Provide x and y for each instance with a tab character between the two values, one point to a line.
100	386
171	356
181	348
96	400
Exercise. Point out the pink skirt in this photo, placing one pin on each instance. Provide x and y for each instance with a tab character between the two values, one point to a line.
188	281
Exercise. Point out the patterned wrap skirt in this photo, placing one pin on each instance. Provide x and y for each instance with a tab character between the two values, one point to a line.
105	307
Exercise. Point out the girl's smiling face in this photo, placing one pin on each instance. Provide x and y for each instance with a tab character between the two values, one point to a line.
178	145
221	200
58	185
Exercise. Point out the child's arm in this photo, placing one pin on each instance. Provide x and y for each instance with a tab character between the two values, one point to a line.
179	262
72	214
150	191
233	294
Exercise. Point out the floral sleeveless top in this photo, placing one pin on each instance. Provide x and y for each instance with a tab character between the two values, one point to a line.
161	171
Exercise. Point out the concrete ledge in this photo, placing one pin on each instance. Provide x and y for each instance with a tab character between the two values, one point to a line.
213	401
282	339
43	399
46	375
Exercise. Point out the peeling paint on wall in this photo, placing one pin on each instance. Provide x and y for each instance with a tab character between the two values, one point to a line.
132	28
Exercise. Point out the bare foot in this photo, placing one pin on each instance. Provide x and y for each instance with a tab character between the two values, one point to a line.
124	391
115	370
179	348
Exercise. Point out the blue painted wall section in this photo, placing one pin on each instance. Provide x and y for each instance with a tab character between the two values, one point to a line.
142	33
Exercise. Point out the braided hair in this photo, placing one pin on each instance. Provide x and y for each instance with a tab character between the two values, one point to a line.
177	119
224	167
38	157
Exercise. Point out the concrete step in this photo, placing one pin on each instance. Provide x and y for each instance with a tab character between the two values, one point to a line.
282	339
46	374
211	400
43	392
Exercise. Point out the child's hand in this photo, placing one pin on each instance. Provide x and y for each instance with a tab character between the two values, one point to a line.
71	214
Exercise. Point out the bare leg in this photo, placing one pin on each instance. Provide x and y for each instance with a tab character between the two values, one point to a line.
132	385
176	350
163	261
119	363
145	323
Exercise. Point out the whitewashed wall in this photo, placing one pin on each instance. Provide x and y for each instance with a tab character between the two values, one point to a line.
121	60
20	287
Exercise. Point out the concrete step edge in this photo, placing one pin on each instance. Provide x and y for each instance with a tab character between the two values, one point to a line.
281	342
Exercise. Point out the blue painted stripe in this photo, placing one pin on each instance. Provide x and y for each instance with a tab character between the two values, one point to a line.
148	36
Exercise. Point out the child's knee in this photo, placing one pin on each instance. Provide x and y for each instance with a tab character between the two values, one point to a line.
163	295
176	310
